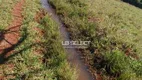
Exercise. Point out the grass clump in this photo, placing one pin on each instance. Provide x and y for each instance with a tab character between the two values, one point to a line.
121	66
55	52
74	16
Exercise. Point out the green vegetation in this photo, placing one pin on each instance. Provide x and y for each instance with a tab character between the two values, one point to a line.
114	31
119	65
5	14
39	54
137	3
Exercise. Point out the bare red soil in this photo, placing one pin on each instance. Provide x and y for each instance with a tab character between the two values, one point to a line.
11	35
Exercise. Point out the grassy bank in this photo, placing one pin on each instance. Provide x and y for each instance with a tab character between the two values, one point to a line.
114	29
39	54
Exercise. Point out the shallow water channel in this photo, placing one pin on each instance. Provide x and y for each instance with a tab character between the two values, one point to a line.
73	55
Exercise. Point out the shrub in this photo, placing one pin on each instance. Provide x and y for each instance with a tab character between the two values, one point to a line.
119	65
117	62
137	3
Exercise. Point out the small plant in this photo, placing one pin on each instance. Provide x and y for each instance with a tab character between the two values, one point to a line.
121	66
117	62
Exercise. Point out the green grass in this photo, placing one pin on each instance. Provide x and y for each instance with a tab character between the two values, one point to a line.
122	67
5	12
40	55
110	25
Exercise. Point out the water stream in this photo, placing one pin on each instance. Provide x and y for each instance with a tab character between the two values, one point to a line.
72	53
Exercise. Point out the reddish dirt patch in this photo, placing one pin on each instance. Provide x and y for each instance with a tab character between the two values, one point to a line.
12	34
95	19
39	16
130	52
1	77
98	76
40	31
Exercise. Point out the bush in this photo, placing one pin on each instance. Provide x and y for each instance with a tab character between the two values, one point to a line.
137	3
119	65
117	62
